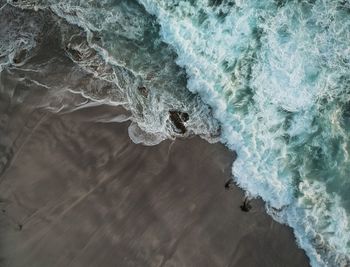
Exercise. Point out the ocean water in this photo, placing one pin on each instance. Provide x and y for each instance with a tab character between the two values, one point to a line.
269	78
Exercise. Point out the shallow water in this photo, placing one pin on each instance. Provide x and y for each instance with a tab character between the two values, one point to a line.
275	74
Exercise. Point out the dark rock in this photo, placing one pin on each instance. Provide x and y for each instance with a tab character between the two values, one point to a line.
178	118
143	91
246	207
229	184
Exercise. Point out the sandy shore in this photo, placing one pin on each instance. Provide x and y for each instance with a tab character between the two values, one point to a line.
80	193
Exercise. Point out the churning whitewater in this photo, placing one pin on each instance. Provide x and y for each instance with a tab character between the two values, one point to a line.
275	74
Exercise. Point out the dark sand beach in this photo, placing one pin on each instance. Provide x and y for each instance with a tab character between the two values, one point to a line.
79	193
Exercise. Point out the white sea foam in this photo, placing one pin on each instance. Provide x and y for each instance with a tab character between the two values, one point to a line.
269	100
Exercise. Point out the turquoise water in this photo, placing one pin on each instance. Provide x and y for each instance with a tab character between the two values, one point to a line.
276	75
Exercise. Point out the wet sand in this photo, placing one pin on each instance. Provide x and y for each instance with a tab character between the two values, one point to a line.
79	193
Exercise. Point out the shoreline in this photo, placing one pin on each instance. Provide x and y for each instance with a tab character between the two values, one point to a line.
80	193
